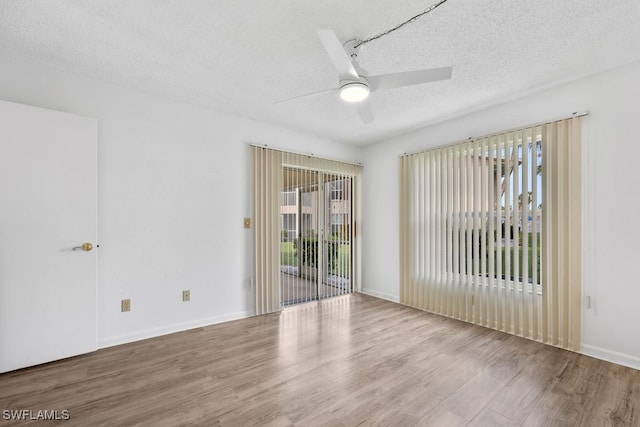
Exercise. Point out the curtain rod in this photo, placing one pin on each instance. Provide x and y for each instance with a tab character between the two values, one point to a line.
502	132
304	154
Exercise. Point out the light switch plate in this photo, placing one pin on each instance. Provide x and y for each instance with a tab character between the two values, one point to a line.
247	223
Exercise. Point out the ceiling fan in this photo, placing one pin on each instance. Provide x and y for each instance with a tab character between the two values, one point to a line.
355	85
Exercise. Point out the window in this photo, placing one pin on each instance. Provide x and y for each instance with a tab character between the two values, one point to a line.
308	223
288	227
500	225
491	231
337	190
288	198
336	223
307	199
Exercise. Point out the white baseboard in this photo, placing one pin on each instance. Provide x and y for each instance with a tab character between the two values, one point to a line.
611	356
378	294
169	329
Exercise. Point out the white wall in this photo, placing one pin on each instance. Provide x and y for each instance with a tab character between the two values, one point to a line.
611	229
173	192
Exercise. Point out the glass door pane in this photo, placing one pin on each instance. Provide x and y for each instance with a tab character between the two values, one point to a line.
299	236
337	237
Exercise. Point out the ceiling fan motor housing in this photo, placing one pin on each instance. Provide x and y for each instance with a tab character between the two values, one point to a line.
351	49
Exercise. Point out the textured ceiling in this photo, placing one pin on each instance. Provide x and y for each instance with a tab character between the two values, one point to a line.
244	56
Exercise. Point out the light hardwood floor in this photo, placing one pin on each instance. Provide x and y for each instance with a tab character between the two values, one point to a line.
352	360
297	289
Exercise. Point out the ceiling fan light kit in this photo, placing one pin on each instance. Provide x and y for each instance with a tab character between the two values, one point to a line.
354	91
355	84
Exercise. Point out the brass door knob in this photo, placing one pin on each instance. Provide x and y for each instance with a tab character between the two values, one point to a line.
85	247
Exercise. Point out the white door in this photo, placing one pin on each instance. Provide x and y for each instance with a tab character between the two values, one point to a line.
48	166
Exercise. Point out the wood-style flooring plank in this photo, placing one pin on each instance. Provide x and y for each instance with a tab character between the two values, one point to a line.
346	361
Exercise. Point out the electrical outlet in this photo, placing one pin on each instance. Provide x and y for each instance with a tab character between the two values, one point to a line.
125	305
186	295
247	223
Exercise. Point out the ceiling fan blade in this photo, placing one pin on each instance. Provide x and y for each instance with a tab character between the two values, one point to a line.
307	95
364	110
408	78
338	56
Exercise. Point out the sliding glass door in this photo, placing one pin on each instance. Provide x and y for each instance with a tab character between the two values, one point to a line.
316	234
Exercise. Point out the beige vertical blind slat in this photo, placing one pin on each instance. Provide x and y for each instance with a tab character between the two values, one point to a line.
415	215
461	233
447	191
484	212
267	181
468	226
515	240
477	206
525	253
508	233
535	315
563	216
442	233
491	231
455	239
547	233
319	219
355	241
430	219
491	267
554	240
406	214
421	165
458	233
465	235
500	149
462	239
574	284
447	232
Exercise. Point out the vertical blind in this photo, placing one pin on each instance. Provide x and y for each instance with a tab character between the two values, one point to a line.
273	172
491	232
